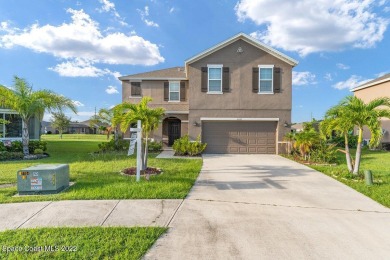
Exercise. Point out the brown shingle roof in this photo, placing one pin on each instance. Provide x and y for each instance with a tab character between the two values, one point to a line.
170	73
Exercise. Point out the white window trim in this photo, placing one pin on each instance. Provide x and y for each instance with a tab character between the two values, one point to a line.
272	80
218	66
169	94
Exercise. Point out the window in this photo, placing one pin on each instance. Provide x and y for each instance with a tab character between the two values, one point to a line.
266	73
135	89
215	78
174	91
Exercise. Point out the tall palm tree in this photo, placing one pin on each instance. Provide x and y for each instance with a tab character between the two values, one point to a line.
336	119
28	103
126	114
370	114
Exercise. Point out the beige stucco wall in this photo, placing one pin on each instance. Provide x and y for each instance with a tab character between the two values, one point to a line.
370	93
241	102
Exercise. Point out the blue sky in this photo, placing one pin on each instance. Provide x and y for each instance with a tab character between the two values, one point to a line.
79	48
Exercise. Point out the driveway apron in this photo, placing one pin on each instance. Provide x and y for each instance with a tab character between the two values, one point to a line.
268	207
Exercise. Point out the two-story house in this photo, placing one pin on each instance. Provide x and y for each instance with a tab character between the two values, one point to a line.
237	95
368	91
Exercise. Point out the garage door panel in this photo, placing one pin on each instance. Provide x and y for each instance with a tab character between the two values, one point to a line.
239	137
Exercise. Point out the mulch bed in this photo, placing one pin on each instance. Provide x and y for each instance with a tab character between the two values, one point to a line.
132	171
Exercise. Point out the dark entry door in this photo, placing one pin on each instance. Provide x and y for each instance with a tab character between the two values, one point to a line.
173	131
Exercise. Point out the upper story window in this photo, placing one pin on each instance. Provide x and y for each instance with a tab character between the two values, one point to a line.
135	89
266	73
214	78
174	91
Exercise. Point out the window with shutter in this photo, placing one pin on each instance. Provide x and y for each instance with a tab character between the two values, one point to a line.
214	79
266	78
174	91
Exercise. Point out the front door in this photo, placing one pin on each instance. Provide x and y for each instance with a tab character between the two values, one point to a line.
173	131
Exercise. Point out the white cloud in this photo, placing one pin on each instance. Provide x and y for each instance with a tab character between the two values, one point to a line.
109	7
303	78
305	27
172	10
77	103
380	74
145	13
328	77
82	38
350	83
81	68
112	90
342	66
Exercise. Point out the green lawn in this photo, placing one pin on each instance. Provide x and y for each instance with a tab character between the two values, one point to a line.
67	137
376	161
78	243
97	176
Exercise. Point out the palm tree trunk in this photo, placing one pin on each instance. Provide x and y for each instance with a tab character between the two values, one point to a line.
348	154
25	137
358	152
146	152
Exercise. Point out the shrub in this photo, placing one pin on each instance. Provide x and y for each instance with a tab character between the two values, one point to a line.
2	147
4	156
340	141
16	146
154	146
38	151
324	153
110	146
36	144
184	146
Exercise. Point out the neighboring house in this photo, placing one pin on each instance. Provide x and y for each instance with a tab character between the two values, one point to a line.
13	130
236	95
85	127
376	88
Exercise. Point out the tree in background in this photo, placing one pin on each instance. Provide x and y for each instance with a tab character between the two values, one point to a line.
60	122
28	103
126	114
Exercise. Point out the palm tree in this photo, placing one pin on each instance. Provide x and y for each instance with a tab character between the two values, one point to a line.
105	116
126	114
304	141
28	103
336	119
370	114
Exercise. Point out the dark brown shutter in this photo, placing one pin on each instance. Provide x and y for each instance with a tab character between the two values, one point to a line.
255	80
204	79
166	91
277	79
135	88
182	91
225	80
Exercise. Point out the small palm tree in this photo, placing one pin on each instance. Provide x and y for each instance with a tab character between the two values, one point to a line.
370	114
105	116
304	141
337	120
28	103
126	114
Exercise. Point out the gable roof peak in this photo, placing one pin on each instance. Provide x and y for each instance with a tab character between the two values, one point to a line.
248	39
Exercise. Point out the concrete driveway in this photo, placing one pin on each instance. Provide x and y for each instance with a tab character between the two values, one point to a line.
268	207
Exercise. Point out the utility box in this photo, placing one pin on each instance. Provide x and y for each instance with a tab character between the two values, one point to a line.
43	179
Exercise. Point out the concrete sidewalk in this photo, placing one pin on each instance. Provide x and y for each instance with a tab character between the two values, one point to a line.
79	213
